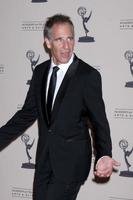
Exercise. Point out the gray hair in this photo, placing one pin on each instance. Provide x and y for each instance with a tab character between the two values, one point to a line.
55	19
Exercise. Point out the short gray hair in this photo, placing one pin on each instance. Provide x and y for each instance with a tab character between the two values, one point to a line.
55	19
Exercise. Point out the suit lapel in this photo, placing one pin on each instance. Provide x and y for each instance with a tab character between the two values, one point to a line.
43	92
63	88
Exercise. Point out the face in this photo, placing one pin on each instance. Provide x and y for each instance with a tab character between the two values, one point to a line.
61	43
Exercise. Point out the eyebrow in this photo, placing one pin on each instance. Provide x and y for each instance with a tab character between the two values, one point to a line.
58	38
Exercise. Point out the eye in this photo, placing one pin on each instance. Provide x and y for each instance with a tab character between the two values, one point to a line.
70	38
59	39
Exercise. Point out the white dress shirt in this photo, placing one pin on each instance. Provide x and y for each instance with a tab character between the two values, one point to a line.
60	75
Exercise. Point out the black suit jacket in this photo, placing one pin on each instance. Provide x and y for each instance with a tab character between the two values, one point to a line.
78	100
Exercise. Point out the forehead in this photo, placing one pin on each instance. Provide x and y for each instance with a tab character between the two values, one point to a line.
60	29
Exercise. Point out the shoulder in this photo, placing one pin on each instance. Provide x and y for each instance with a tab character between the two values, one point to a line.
42	66
90	78
87	70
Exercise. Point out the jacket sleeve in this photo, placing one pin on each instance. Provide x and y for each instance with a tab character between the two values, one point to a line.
21	120
97	115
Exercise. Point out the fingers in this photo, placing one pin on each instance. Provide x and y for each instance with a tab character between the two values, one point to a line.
105	167
103	173
116	163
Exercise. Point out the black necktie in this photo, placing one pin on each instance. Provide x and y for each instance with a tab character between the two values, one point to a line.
51	90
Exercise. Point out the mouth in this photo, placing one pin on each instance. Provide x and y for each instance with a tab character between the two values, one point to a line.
66	54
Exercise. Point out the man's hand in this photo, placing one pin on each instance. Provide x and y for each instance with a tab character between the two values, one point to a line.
105	166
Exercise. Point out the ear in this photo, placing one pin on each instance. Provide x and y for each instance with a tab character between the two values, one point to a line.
47	42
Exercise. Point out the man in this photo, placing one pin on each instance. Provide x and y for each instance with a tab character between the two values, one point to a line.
64	94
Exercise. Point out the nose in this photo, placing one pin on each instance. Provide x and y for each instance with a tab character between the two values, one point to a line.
65	44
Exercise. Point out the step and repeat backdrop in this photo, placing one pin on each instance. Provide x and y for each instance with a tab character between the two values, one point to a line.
104	39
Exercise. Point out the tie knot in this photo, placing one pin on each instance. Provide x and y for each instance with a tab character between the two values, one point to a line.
55	69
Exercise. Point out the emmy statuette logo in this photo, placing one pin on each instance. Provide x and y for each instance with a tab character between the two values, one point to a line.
28	165
82	11
129	56
123	144
39	1
30	56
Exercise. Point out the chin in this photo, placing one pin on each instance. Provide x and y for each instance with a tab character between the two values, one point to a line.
66	60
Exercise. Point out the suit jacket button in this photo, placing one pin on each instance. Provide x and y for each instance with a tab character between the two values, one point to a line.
50	131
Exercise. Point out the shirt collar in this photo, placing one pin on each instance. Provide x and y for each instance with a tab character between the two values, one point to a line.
65	66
